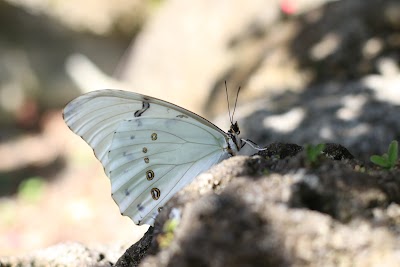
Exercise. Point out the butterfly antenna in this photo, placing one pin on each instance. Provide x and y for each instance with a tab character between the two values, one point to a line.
227	100
234	108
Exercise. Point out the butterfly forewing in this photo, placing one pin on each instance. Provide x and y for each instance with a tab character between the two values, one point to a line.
149	148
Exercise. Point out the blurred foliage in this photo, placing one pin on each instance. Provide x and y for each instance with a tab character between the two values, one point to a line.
7	212
389	159
31	189
313	152
165	239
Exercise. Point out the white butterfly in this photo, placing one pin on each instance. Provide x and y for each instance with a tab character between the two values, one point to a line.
149	148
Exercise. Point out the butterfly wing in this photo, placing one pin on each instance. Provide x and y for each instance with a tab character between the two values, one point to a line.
149	148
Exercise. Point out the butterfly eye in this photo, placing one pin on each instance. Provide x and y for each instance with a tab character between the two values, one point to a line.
234	129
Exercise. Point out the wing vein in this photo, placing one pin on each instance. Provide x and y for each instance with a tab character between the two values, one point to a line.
152	184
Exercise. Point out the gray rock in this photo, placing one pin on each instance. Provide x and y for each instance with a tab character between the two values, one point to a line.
281	212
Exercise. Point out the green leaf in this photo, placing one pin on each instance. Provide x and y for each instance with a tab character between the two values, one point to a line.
380	161
319	148
314	151
393	153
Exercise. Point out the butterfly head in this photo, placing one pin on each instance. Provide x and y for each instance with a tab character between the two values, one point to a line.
234	128
235	143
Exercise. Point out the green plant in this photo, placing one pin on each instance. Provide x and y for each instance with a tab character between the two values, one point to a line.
389	159
31	189
165	239
265	172
314	151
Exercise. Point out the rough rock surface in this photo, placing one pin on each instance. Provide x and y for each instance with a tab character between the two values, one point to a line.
281	211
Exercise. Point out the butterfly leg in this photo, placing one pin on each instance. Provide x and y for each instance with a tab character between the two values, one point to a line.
252	144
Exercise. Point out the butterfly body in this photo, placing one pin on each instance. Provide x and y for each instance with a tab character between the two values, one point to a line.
149	148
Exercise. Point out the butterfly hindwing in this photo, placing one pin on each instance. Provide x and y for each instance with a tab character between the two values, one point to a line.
154	159
149	148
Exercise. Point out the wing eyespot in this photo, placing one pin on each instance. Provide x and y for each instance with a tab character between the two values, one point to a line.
153	136
149	175
155	193
146	160
144	150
